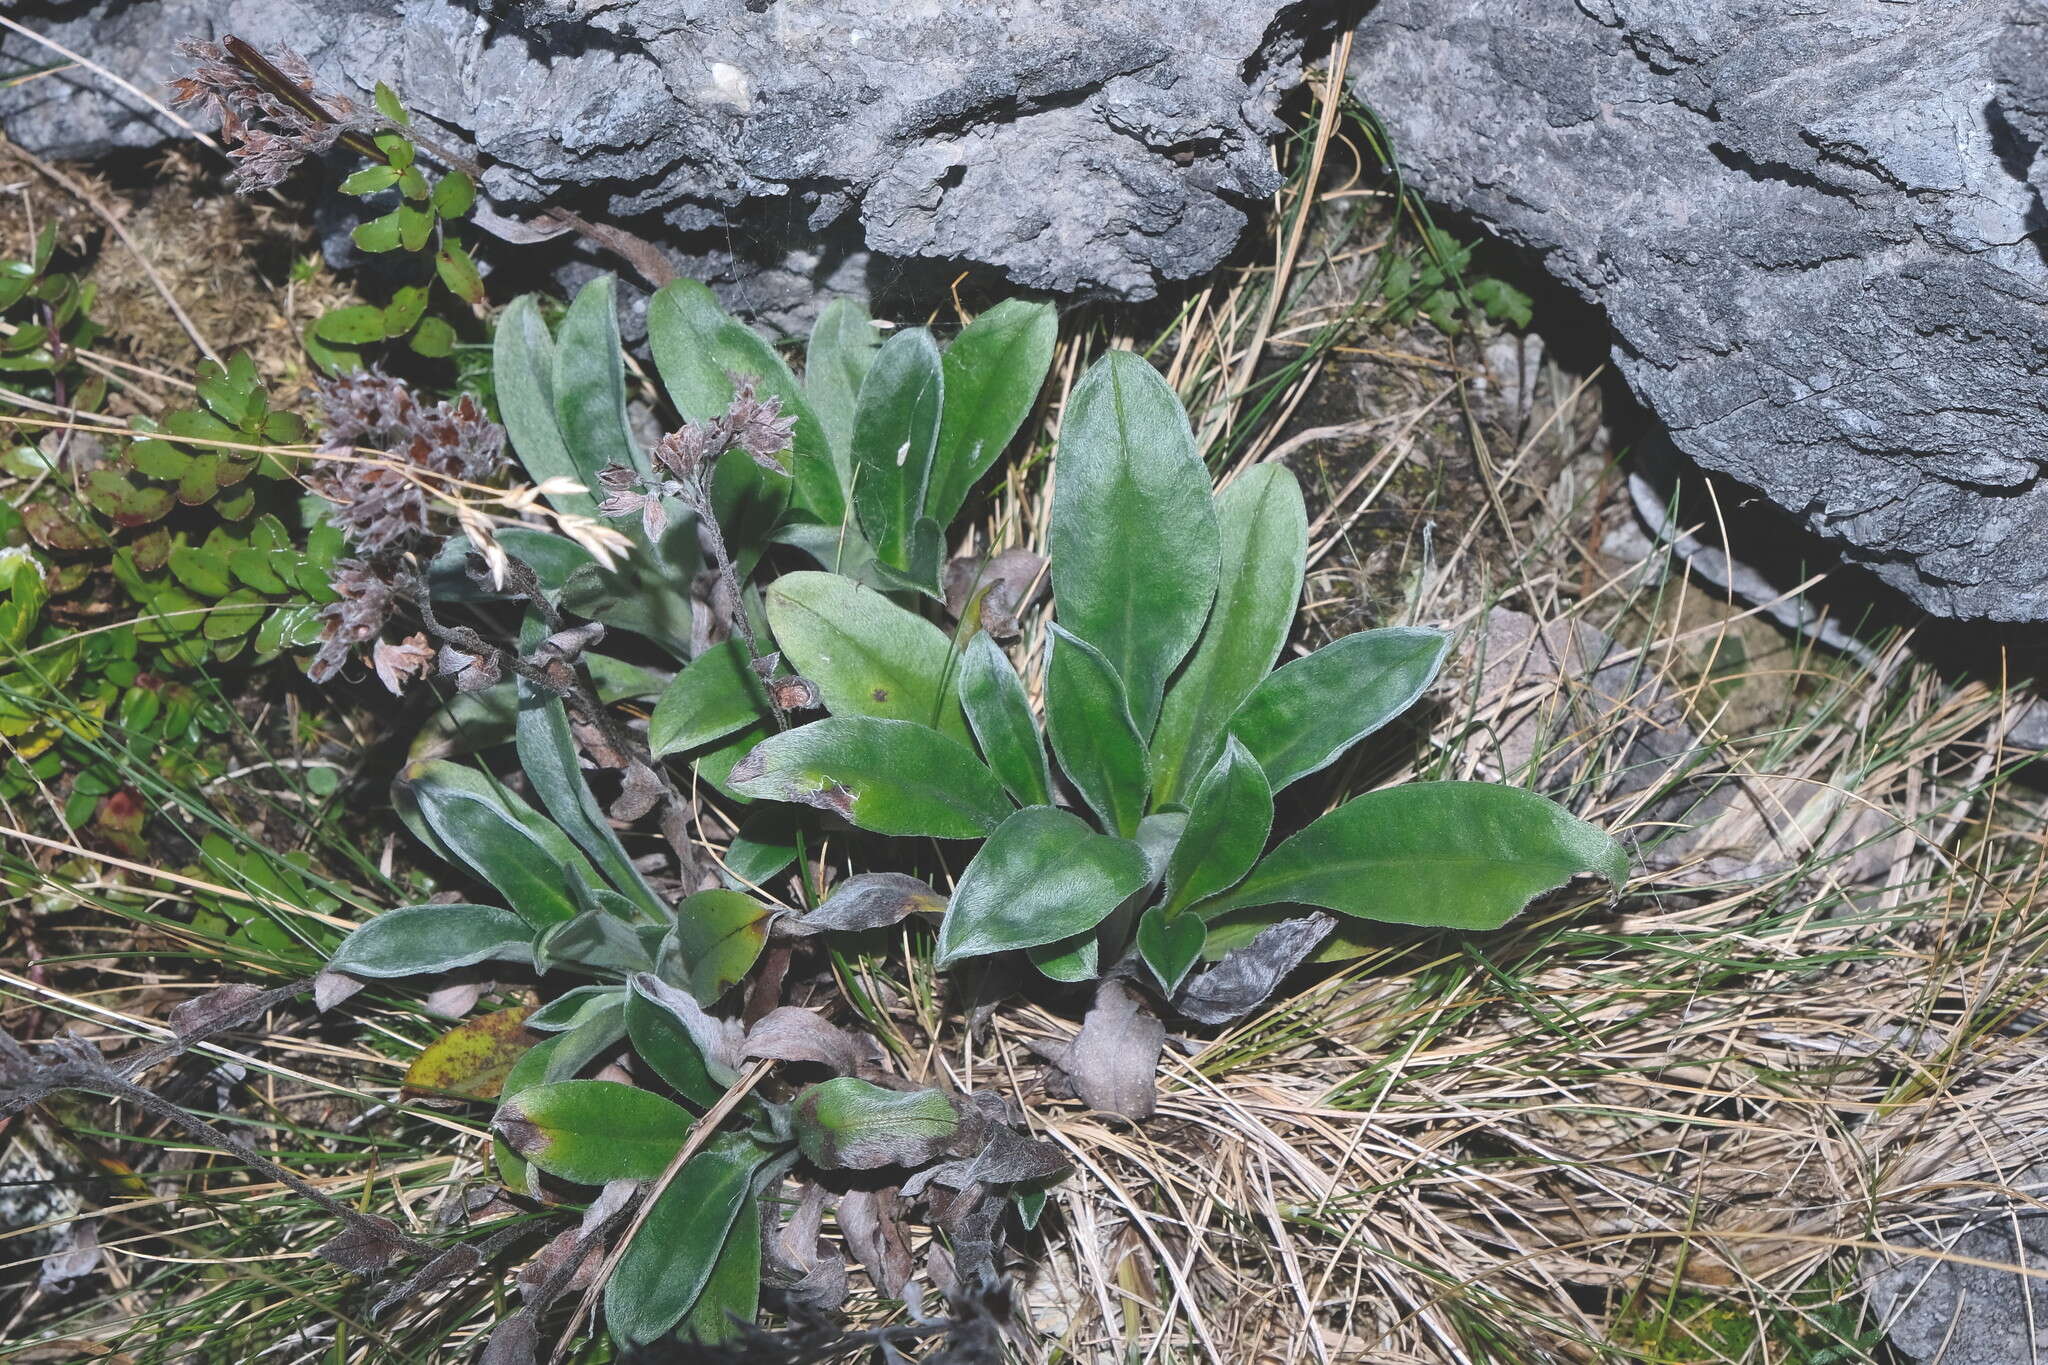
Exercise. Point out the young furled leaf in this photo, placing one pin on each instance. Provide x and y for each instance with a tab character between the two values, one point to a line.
993	372
999	713
895	436
1089	723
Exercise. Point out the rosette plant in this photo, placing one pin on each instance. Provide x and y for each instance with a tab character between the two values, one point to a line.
1170	726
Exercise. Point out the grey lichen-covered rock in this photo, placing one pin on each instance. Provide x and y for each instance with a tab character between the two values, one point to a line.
1818	232
1937	1310
1092	148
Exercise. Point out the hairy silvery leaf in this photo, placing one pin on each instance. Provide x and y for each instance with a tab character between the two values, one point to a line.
790	1033
1170	945
572	1007
852	1125
895	436
330	988
811	1275
716	938
993	370
669	1261
596	940
453	1264
413	939
1134	539
525	855
842	348
523	367
868	900
1007	1158
204	1013
1246	976
1042	877
1227	825
715	696
999	713
593	1132
692	1051
866	655
1088	720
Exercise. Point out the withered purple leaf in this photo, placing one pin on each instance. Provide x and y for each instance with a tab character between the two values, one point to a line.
869	900
872	1223
203	1013
453	1264
369	1244
640	793
790	1033
1246	976
1113	1062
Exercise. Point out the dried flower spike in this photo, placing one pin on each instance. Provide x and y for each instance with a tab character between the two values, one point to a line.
269	112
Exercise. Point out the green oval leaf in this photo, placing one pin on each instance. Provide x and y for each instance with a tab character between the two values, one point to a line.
505	841
1226	830
717	936
895	436
1452	855
356	325
1089	723
454	194
590	384
888	776
672	1257
848	1124
868	656
842	348
733	1293
523	376
1133	538
592	1132
1042	877
433	938
999	713
993	372
1170	946
1307	714
1264	531
716	694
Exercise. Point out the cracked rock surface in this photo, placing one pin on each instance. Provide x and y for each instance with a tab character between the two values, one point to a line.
1818	232
1079	148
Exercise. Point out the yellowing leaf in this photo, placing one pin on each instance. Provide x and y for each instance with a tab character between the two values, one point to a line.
471	1060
